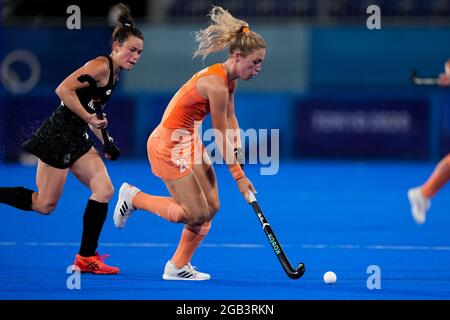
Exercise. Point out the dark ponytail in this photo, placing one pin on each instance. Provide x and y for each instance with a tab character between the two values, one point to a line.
124	27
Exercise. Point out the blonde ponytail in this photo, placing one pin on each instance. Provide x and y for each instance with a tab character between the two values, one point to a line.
226	31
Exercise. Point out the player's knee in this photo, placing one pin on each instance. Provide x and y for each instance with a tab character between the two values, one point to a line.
198	215
46	207
109	192
104	194
176	213
201	229
197	220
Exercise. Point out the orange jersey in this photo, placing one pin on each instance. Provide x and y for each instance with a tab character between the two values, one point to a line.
187	107
174	146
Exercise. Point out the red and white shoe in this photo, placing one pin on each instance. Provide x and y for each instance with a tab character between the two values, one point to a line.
93	264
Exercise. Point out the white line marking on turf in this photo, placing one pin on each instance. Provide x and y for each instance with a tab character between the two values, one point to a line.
7	244
229	245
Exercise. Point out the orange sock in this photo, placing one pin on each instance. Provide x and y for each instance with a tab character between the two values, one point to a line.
164	207
191	237
440	176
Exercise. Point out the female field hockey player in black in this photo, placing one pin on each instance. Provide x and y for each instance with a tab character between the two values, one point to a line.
62	143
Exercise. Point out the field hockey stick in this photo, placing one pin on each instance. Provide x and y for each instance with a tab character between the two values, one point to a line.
276	246
109	147
419	81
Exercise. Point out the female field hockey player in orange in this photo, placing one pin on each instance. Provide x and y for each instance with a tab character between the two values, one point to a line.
419	197
62	144
176	153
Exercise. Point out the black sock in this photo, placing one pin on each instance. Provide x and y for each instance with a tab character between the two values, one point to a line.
93	220
18	197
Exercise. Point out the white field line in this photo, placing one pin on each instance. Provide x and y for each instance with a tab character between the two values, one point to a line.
232	245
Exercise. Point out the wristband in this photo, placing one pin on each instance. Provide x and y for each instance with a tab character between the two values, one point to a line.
237	172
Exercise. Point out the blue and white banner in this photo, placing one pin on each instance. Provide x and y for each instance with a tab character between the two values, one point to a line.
362	128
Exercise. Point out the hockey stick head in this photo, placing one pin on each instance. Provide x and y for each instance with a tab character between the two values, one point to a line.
297	273
290	271
420	81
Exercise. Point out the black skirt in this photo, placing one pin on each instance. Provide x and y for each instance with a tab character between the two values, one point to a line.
61	140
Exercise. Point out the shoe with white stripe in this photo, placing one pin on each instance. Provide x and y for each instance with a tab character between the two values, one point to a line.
419	205
124	206
186	272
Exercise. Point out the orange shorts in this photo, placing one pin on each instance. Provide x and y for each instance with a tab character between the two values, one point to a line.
172	152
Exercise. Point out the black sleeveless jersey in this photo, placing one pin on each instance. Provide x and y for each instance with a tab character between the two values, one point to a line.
62	139
85	96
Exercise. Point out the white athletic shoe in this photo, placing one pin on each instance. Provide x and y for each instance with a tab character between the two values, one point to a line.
186	272
419	205
124	206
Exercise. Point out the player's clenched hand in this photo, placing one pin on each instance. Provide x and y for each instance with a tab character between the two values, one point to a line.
444	79
245	185
97	123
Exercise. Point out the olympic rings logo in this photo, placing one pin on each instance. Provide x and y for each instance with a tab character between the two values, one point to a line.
10	77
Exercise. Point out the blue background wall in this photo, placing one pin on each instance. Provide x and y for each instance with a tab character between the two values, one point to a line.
356	57
346	69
